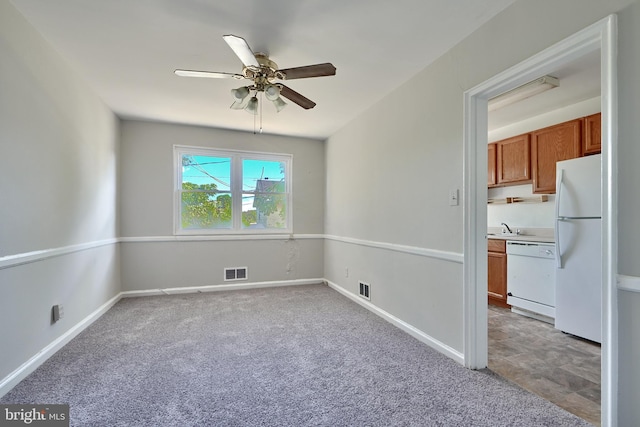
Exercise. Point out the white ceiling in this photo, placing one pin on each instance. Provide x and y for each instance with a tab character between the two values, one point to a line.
127	50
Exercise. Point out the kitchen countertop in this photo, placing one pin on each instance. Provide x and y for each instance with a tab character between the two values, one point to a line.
544	235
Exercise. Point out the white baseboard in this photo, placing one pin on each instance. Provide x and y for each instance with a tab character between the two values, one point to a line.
411	330
214	288
40	357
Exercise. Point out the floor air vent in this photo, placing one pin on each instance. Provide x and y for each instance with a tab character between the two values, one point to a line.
365	291
236	273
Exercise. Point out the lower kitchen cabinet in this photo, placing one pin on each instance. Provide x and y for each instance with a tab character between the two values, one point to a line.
497	272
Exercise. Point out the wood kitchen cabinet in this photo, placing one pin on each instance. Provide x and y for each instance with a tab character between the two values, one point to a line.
592	134
551	145
497	272
513	162
491	176
509	161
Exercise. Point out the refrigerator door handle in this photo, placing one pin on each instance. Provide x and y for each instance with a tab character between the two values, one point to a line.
556	230
557	236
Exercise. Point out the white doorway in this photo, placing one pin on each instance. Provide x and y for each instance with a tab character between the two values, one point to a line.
601	37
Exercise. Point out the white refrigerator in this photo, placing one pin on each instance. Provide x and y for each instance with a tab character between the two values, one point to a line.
579	247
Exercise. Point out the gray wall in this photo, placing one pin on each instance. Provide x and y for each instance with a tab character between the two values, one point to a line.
58	156
153	259
629	204
410	154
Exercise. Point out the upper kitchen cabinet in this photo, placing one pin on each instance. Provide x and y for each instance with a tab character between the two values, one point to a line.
513	162
551	145
592	140
491	176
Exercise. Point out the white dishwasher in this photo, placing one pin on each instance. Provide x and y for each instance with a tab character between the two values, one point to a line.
531	278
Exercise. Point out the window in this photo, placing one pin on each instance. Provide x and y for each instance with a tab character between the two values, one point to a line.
219	192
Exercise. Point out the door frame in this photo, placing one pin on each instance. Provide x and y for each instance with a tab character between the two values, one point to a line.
600	36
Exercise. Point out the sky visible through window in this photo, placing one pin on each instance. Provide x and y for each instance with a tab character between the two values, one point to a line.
217	170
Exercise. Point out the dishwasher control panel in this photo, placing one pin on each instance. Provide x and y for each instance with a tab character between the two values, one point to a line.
534	249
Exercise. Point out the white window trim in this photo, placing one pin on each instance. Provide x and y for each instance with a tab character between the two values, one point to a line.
236	188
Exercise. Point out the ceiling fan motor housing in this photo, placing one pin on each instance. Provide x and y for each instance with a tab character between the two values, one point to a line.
265	73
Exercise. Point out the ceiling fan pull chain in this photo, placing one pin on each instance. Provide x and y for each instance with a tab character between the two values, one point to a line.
261	99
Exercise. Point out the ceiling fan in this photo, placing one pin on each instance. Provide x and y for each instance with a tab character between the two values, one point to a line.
263	72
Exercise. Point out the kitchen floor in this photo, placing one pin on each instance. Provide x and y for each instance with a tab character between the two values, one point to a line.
558	367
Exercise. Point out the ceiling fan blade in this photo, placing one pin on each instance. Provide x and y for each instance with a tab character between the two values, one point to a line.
207	74
241	48
318	70
294	96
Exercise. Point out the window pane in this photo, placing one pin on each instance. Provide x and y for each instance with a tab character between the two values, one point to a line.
204	209
264	210
254	172
264	199
206	173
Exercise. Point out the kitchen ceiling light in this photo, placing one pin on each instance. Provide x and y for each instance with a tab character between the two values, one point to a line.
525	91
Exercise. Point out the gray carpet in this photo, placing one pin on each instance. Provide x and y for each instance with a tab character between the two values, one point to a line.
291	356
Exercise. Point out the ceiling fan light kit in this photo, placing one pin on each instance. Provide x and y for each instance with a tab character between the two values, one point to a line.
240	104
263	72
252	106
279	104
272	92
242	101
241	93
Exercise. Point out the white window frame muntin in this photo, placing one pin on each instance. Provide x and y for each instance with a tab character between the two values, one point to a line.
235	188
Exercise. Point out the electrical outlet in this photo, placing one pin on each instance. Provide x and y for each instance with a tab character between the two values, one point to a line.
346	272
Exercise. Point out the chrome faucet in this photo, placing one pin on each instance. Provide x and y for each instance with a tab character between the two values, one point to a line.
508	229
